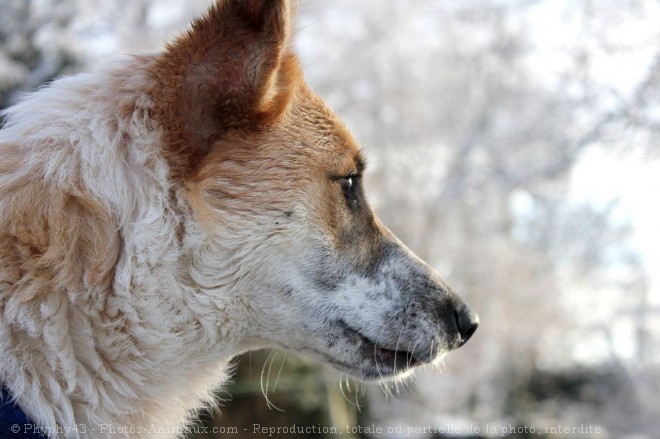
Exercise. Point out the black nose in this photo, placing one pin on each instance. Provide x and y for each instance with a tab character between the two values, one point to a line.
466	322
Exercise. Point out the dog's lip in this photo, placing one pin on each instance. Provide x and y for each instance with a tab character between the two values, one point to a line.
379	352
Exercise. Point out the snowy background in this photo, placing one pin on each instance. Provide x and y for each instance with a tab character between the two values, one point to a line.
513	144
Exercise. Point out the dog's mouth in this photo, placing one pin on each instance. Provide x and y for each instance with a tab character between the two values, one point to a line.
377	360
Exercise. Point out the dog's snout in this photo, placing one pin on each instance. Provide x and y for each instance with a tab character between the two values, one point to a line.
466	322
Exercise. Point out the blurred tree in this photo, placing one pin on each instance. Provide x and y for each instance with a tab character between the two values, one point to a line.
272	389
27	57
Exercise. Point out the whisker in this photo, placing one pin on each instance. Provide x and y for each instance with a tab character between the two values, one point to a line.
264	389
279	373
344	393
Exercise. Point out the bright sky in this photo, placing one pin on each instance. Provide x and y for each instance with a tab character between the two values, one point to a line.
621	42
634	181
620	39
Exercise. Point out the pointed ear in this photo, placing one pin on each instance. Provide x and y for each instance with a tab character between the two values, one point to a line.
232	69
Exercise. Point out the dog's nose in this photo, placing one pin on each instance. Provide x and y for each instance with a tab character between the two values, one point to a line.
466	322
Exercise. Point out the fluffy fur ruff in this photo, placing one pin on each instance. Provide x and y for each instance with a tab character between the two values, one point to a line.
102	323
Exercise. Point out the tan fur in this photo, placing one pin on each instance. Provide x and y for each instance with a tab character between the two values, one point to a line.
205	89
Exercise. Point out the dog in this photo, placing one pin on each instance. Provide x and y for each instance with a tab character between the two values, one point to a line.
164	214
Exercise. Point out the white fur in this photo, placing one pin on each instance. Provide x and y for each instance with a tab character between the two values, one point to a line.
148	353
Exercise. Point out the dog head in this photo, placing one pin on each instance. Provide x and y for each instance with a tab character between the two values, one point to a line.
278	214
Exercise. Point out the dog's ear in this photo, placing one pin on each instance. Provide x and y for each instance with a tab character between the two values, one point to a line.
233	69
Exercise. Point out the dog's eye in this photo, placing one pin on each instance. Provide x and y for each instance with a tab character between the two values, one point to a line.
347	183
350	187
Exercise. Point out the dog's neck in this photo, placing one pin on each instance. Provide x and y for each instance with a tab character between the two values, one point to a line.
137	342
